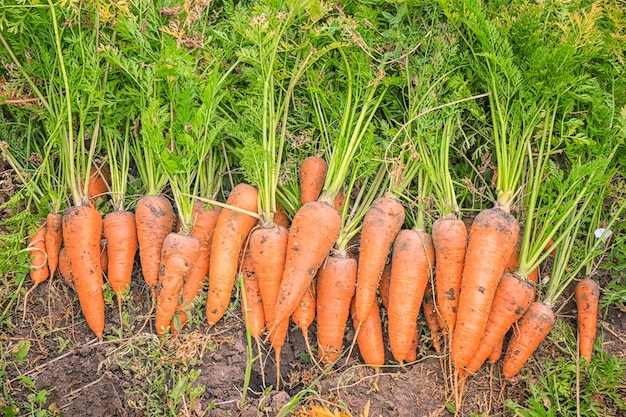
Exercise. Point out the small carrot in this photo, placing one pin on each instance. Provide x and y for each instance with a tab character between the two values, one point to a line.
430	314
82	231
39	271
411	355
98	180
231	231
54	240
312	176
412	264
336	282
370	337
65	268
155	219
281	218
383	289
496	353
177	256
304	314
120	232
104	257
532	329
340	198
252	310
587	294
381	224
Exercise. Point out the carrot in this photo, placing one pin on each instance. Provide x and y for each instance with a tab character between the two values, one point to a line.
513	297
412	263
120	232
381	224
496	353
231	230
411	355
177	256
65	268
491	241
385	281
281	218
313	232
513	262
252	310
532	329
39	271
304	314
587	294
104	257
155	219
430	314
53	240
340	198
450	241
312	176
336	282
370	337
203	228
98	180
82	230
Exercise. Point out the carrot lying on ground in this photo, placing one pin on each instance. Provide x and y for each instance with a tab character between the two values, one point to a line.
383	289
430	314
335	289
204	225
39	271
450	241
53	240
252	309
496	353
120	232
304	314
587	295
231	231
312	176
82	231
381	224
370	338
65	268
155	219
490	245
531	330
177	257
412	264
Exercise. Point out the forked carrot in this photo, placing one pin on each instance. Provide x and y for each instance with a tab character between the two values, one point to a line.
39	271
381	224
120	232
312	176
531	330
177	256
231	231
82	230
370	337
53	240
587	294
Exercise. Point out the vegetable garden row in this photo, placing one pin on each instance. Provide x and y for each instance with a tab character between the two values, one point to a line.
307	160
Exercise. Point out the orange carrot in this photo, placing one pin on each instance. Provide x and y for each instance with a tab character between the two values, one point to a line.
39	271
411	355
177	256
532	329
491	241
98	180
336	282
313	232
587	294
203	228
304	314
370	337
496	353
231	231
450	241
82	230
381	224
430	313
155	219
513	262
104	257
253	314
65	268
120	232
513	297
281	218
340	198
385	281
412	263
53	240
312	175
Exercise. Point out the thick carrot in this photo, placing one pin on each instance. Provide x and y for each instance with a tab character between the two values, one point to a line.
513	297
120	232
383	289
312	176
65	268
370	337
336	282
53	240
39	271
82	230
304	314
313	232
203	228
532	329
155	219
381	224
587	294
231	231
252	310
412	263
430	314
177	256
491	241
450	241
